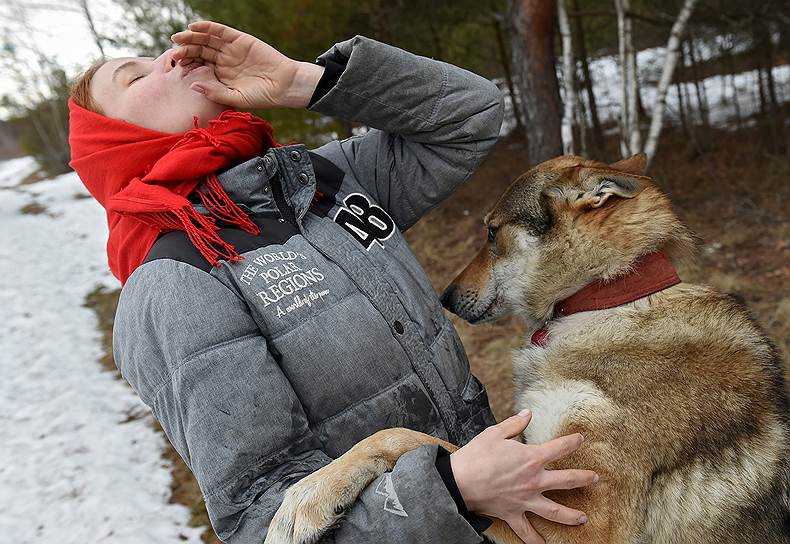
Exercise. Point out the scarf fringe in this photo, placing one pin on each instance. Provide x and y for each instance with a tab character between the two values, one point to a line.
203	235
217	201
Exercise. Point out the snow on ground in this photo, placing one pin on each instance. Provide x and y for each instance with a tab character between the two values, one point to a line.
70	470
11	172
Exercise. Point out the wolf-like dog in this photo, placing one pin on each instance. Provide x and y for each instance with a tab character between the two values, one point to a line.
678	392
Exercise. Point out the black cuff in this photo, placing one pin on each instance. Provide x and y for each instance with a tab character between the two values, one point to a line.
478	523
333	64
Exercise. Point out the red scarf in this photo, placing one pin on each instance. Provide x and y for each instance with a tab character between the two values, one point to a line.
142	177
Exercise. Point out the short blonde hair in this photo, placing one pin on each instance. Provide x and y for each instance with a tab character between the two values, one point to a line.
80	90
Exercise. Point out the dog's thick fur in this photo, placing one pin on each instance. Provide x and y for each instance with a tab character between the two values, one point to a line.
680	395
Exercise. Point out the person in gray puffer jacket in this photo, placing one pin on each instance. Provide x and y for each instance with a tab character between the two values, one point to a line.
263	370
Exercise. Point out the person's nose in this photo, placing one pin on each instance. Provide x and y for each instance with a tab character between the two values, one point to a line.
165	62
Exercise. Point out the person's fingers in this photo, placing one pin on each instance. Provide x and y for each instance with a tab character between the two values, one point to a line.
217	29
188	37
559	447
547	508
191	52
511	426
567	479
217	92
524	529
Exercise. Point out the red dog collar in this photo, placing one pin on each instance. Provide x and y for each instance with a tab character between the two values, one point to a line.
651	274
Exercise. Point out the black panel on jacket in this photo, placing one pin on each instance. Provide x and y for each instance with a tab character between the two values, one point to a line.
328	180
177	245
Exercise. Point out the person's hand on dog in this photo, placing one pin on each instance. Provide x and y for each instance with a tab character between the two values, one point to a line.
250	73
504	478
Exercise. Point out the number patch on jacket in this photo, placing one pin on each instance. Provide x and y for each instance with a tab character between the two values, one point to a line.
365	221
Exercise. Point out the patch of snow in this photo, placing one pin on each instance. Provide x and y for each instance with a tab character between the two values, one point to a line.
14	170
71	470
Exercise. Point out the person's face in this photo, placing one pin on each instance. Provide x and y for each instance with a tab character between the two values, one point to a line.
154	93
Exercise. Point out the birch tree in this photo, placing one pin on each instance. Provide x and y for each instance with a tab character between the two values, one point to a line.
673	45
568	81
586	77
630	140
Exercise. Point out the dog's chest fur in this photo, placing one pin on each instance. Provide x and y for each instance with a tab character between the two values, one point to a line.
595	363
552	394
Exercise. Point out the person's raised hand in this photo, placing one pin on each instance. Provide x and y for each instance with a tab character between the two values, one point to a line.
504	478
250	73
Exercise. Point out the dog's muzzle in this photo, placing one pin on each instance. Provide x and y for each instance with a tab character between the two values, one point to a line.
463	303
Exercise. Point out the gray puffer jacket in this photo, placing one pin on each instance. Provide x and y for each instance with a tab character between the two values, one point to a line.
264	370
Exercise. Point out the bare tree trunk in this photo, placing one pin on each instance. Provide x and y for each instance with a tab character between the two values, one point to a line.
581	120
761	90
42	132
682	109
43	110
568	80
578	23
699	86
688	119
497	21
89	18
640	106
634	136
629	119
532	36
624	102
777	116
57	121
667	71
727	53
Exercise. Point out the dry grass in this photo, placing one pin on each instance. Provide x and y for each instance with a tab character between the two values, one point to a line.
35	177
33	208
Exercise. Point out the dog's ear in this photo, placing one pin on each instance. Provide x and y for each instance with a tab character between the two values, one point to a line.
635	164
601	184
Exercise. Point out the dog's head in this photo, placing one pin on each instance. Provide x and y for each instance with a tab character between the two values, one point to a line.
559	226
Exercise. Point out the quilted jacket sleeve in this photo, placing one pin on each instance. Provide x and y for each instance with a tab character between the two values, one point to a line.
432	124
190	349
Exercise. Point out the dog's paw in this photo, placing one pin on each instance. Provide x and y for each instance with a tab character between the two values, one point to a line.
309	509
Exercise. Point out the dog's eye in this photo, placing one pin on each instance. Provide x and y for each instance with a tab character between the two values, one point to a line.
492	234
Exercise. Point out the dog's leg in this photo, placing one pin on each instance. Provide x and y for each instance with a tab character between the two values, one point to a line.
315	503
